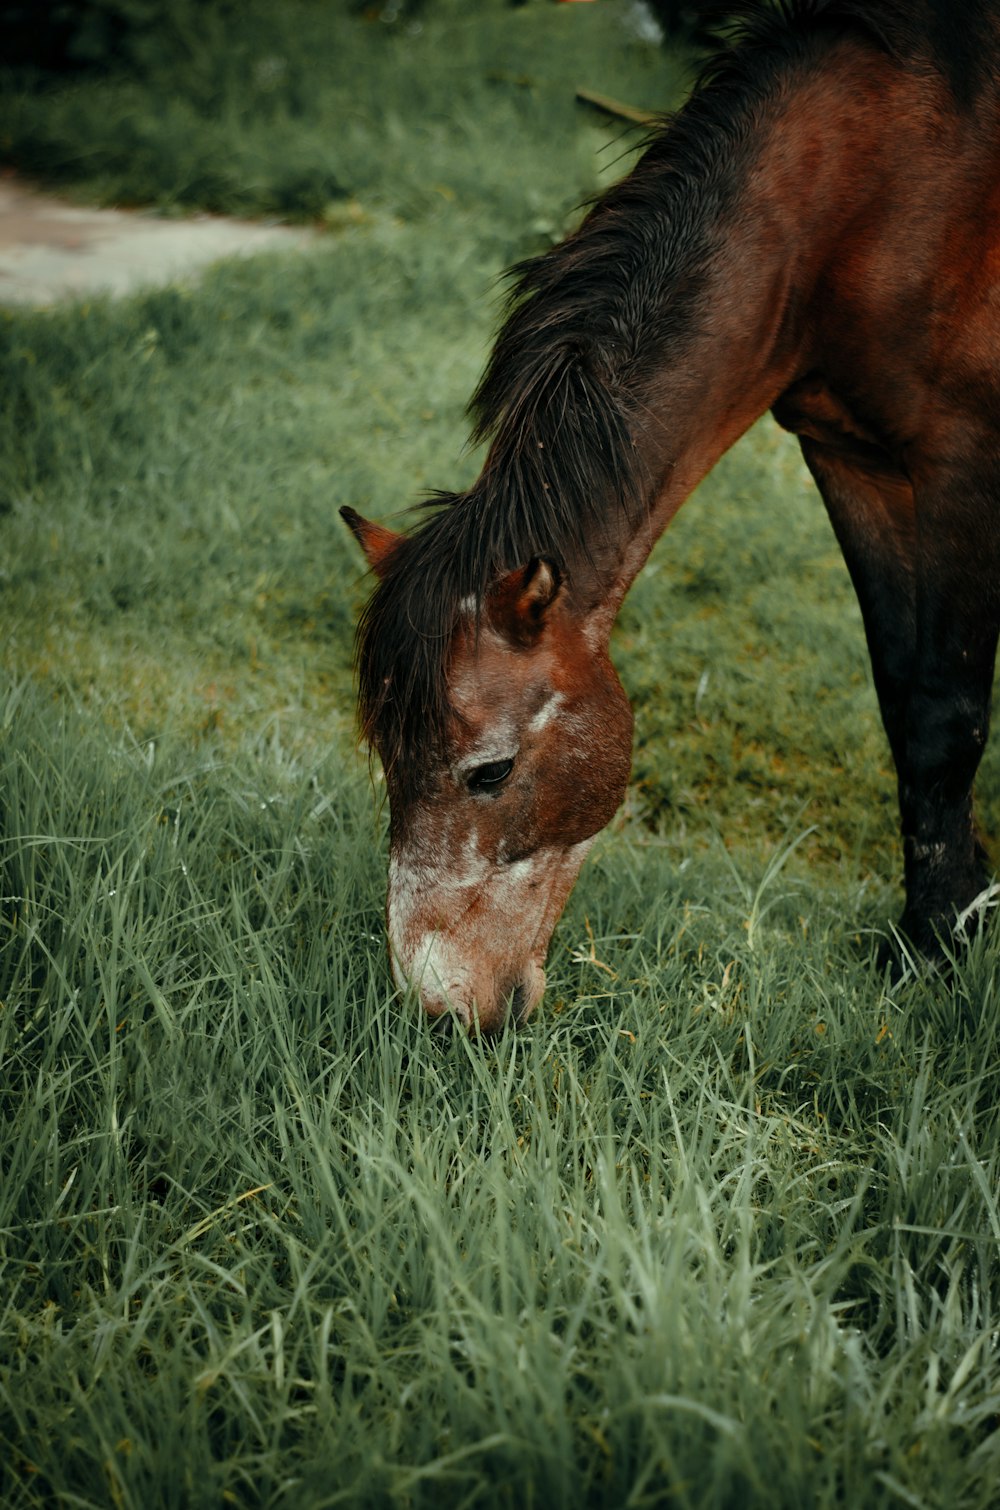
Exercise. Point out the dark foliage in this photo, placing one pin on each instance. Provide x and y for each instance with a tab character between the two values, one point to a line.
60	36
678	18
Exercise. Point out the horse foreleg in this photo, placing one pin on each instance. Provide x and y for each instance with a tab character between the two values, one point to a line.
871	510
932	648
947	721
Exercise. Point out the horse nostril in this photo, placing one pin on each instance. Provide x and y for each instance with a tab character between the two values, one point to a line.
443	1026
518	1002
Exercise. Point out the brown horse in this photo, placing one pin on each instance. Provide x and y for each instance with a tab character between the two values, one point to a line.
817	232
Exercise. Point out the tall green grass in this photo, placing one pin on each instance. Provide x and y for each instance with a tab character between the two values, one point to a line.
720	1227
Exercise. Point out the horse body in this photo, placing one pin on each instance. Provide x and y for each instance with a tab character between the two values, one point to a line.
817	233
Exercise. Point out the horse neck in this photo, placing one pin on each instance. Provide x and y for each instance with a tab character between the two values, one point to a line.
819	152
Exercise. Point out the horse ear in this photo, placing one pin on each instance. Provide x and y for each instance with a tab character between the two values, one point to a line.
521	600
542	581
375	540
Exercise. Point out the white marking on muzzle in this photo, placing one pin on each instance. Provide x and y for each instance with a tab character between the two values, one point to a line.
436	973
477	952
409	883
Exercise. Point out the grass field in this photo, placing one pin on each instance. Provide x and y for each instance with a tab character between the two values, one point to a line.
721	1226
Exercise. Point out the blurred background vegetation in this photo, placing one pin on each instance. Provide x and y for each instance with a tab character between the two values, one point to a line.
73	35
244	107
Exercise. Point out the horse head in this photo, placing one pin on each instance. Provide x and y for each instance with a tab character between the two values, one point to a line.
492	818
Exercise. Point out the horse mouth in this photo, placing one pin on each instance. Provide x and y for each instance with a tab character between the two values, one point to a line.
517	1004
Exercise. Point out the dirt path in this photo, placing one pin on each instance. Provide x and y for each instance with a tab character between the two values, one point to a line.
51	249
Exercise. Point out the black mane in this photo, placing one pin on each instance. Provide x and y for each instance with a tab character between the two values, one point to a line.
587	322
954	37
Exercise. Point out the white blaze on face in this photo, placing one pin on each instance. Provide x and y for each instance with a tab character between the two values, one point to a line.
426	956
546	713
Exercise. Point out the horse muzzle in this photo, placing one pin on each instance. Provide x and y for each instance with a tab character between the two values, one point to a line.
479	1002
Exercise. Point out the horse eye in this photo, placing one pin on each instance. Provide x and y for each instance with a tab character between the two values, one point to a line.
493	774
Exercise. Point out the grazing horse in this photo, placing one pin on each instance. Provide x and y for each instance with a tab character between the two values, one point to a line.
816	232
